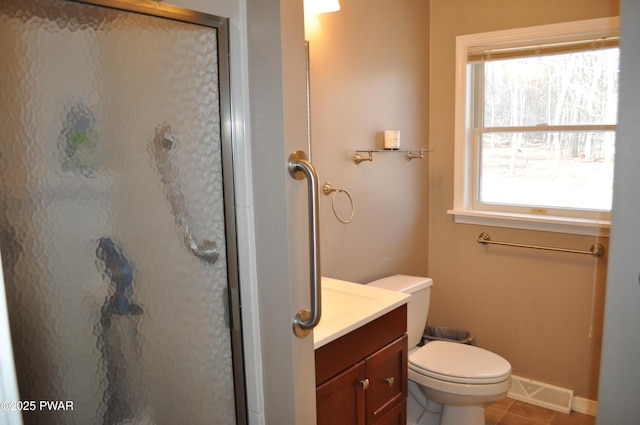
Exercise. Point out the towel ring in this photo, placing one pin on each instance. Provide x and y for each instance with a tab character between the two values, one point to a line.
328	188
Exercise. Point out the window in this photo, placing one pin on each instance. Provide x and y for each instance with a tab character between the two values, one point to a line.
535	126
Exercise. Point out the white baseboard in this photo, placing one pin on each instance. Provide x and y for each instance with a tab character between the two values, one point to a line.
584	405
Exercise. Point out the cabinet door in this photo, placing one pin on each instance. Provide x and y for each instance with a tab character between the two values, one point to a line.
340	401
386	370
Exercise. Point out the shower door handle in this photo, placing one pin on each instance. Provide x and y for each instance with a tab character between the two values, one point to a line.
300	168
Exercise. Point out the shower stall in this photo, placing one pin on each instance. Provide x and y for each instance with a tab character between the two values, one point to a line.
117	223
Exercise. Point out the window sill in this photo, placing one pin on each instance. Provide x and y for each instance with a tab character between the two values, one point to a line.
534	222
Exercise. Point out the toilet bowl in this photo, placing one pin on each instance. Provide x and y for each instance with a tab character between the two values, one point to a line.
458	379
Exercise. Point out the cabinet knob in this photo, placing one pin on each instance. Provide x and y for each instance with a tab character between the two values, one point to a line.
364	383
390	381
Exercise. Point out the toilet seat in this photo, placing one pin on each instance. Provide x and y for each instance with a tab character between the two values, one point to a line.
459	363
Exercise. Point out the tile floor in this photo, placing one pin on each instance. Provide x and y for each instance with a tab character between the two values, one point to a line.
514	412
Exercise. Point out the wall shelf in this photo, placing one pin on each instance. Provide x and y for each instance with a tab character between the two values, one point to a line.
417	153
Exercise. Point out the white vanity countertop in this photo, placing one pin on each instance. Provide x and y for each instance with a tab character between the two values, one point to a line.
346	306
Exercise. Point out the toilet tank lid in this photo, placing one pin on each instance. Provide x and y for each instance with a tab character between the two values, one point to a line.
403	283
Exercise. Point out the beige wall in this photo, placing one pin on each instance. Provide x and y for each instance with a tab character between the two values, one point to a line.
388	64
532	307
369	72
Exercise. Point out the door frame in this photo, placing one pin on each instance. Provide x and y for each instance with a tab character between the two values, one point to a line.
619	382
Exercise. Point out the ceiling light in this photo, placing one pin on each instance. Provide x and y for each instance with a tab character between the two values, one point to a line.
321	6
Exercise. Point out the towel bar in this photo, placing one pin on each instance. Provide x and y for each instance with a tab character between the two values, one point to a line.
596	250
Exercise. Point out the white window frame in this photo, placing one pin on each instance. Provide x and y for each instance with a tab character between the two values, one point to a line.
463	208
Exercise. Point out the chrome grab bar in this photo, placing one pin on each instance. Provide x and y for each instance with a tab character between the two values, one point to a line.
299	168
163	142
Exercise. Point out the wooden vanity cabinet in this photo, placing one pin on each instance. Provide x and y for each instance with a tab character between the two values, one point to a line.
362	377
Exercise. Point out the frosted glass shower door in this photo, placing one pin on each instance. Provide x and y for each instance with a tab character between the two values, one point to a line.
116	213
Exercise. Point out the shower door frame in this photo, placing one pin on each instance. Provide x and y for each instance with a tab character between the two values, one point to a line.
221	25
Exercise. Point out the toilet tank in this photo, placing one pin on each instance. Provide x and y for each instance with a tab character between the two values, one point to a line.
418	307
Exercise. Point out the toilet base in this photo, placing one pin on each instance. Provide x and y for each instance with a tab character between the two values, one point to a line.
456	415
421	411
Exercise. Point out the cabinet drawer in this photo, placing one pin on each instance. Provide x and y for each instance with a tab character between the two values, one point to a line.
386	370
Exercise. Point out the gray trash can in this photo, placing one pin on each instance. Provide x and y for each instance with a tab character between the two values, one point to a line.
439	333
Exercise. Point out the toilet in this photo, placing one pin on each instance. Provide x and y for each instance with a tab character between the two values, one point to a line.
454	381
